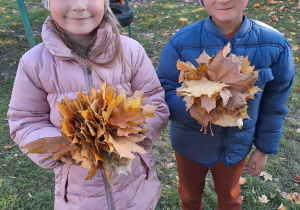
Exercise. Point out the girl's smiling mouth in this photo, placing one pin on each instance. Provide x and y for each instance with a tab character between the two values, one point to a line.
79	19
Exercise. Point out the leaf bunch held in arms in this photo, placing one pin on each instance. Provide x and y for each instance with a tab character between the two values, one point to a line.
217	90
99	131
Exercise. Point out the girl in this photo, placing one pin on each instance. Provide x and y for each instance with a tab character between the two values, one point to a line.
82	48
225	152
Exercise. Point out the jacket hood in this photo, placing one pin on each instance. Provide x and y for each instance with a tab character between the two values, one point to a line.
103	48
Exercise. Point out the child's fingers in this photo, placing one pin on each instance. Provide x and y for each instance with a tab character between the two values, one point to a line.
251	164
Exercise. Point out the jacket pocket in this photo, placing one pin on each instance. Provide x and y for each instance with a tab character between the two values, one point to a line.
265	75
64	181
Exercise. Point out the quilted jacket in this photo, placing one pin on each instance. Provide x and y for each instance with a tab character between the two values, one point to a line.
270	52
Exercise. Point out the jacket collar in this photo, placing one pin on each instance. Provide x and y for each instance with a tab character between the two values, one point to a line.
102	50
212	28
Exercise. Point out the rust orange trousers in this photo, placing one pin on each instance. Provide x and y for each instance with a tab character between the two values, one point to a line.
192	182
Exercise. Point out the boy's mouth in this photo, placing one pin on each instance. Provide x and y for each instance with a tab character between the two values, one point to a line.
226	9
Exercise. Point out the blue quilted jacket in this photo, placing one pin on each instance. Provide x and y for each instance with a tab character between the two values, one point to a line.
270	52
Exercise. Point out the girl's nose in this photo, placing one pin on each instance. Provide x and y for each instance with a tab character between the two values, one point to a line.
79	5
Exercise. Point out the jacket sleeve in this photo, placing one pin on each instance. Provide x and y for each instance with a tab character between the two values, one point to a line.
168	75
273	107
145	78
28	114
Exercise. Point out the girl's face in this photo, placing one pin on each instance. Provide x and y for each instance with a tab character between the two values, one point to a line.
77	17
225	11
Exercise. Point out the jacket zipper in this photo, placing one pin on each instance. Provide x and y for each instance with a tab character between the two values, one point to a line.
223	143
109	195
88	73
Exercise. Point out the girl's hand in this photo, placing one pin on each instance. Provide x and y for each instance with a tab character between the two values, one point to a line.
256	163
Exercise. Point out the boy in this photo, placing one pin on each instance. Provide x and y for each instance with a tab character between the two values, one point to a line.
226	152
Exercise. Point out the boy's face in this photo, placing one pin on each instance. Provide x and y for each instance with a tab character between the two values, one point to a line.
225	11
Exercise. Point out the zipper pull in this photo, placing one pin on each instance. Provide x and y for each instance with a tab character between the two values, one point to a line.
88	74
87	67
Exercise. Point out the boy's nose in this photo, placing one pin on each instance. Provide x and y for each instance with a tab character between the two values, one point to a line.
79	5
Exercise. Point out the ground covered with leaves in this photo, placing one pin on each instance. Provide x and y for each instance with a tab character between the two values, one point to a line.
23	185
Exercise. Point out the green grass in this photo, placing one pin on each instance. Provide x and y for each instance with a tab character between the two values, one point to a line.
23	185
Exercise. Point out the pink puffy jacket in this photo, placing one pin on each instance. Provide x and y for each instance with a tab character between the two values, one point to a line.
49	72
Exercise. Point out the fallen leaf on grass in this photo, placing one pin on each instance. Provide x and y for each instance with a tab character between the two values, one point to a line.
296	59
263	199
29	195
273	2
298	88
282	207
183	19
294	197
266	176
282	7
274	19
8	146
170	165
256	5
242	180
295	47
298	130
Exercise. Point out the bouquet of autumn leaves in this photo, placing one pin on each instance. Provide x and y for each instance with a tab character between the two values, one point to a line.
99	131
217	90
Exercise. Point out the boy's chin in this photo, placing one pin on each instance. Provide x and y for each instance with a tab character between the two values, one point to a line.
228	18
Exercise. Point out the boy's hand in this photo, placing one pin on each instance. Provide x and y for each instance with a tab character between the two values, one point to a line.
256	163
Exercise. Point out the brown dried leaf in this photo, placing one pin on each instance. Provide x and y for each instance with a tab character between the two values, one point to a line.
226	120
242	181
294	197
282	207
225	71
201	87
47	145
125	146
203	58
266	176
7	146
263	199
208	103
